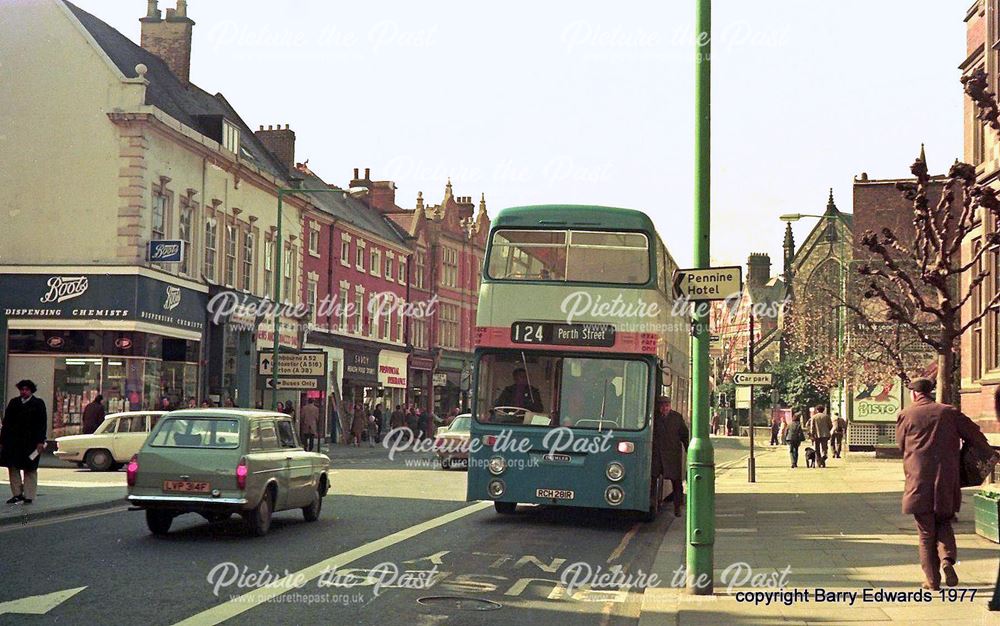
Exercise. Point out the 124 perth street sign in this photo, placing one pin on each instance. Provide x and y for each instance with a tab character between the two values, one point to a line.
713	283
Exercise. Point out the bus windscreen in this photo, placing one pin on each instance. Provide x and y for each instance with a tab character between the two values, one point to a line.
569	256
551	391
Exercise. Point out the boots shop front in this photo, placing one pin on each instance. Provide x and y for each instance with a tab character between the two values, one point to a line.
132	337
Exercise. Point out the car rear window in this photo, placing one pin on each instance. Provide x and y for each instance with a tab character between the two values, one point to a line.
201	432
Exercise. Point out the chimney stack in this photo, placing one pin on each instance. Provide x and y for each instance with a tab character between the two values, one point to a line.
170	38
758	269
280	142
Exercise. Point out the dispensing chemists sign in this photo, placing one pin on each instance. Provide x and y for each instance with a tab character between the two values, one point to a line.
713	283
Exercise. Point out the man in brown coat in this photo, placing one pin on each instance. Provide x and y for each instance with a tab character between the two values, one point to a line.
819	431
669	434
93	415
929	435
309	424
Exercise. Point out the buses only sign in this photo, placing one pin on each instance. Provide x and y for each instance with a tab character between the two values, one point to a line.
715	283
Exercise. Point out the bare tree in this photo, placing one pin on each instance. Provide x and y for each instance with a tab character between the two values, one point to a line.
918	284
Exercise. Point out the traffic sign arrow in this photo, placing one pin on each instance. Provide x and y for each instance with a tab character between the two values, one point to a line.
38	605
752	378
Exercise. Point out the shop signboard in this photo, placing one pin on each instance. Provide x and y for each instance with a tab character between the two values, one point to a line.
878	402
75	296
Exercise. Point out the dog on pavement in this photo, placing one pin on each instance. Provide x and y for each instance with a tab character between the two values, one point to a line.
810	457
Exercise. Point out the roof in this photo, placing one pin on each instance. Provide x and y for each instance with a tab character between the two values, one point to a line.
166	92
574	215
347	208
225	412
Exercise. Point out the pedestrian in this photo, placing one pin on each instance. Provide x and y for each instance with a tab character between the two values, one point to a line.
290	409
837	434
930	435
422	423
280	407
372	426
165	404
412	422
229	403
775	427
22	442
713	427
669	434
205	404
378	418
396	418
192	403
819	431
794	436
358	424
334	420
308	424
93	415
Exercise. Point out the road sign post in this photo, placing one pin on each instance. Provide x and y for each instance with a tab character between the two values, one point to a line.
700	552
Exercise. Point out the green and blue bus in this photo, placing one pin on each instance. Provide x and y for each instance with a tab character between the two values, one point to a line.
577	334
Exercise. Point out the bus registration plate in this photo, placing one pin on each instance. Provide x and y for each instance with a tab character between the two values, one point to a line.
554	494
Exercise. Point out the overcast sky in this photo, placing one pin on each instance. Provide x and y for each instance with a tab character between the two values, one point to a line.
592	102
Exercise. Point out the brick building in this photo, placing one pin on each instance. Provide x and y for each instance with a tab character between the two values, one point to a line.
980	362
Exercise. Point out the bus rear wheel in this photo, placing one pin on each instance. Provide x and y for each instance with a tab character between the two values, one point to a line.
505	508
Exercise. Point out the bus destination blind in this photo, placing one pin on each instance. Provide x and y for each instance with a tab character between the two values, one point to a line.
588	335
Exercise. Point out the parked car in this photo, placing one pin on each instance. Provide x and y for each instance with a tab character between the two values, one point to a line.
451	443
217	462
114	442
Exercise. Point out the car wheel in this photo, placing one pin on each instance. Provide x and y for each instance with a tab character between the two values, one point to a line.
311	512
259	519
159	521
505	508
99	460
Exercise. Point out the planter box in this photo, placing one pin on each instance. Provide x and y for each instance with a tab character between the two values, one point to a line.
987	510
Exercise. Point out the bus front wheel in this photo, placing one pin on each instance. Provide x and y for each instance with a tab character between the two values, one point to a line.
505	508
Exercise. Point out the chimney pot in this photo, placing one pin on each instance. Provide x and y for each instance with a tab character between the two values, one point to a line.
368	173
151	10
286	126
171	13
182	8
355	173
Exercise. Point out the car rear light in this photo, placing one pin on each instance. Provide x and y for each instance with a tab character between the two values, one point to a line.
489	440
626	447
131	470
241	474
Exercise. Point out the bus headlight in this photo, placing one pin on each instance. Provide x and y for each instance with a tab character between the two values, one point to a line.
614	495
496	488
616	471
497	465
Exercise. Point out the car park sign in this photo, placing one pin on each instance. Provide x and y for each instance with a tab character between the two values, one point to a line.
747	379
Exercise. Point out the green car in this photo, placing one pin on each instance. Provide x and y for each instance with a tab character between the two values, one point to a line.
217	462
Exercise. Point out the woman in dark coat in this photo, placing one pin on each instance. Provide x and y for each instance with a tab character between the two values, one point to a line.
22	436
670	433
359	423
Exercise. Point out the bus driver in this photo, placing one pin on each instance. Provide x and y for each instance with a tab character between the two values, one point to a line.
520	394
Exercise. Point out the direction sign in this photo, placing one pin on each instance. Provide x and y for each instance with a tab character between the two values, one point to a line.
713	283
305	384
752	378
292	364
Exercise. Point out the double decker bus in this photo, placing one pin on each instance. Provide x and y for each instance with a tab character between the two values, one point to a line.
576	336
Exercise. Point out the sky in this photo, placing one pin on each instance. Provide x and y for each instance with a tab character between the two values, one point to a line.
593	102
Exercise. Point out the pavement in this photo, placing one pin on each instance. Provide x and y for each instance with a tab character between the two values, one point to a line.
838	529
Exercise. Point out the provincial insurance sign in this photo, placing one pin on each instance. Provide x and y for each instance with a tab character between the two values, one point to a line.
713	283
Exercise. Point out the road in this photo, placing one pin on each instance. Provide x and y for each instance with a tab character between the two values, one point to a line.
458	562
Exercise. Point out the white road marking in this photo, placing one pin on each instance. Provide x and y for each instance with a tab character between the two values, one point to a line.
46	521
256	597
39	605
735	530
781	512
